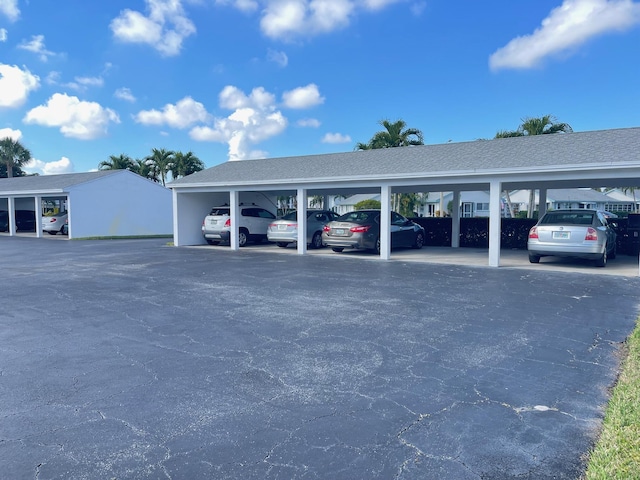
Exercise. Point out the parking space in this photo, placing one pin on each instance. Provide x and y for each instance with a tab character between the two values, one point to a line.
133	359
622	265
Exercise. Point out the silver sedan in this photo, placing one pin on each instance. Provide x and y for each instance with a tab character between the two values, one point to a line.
578	233
285	230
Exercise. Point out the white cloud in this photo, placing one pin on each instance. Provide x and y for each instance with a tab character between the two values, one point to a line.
246	6
64	165
82	83
336	138
308	122
15	85
36	45
3	35
302	97
125	94
181	115
254	120
567	27
286	19
165	28
10	133
76	118
10	9
277	57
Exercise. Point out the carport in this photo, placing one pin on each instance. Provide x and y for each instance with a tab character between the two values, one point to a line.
108	203
593	159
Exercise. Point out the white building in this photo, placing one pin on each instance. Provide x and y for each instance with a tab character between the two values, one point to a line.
107	203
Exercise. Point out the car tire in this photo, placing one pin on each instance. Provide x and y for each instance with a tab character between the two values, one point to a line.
282	244
613	252
602	261
243	237
337	249
534	258
418	243
316	241
377	247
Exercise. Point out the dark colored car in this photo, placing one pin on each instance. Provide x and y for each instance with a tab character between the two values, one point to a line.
25	221
361	230
578	233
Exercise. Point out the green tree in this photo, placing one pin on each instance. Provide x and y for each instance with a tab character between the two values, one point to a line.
144	168
13	155
367	204
161	162
632	190
185	164
546	124
120	162
396	134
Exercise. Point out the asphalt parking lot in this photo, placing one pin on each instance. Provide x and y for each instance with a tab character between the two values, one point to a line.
131	359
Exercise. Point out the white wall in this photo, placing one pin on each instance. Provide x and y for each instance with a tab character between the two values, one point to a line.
191	208
118	205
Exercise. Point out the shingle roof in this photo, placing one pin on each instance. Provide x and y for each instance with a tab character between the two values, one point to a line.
521	154
41	183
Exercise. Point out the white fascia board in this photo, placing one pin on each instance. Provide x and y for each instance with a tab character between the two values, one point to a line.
32	193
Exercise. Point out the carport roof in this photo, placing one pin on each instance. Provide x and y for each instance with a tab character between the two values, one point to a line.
34	184
571	152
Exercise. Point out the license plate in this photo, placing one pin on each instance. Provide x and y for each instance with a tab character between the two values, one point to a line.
213	222
561	235
340	231
282	227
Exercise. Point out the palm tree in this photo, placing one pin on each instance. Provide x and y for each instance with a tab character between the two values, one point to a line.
13	155
632	190
120	162
161	162
144	168
546	124
185	164
396	134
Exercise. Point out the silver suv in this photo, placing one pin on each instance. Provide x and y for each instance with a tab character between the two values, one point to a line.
254	221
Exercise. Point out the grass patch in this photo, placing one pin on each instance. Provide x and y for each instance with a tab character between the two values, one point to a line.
617	453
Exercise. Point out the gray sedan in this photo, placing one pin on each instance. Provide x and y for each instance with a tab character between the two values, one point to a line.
285	230
361	230
579	233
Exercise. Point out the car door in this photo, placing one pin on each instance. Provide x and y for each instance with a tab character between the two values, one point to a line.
401	233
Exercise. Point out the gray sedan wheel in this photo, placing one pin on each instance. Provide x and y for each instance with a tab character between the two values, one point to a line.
316	241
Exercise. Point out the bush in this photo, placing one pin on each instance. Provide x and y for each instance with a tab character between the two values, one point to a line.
367	204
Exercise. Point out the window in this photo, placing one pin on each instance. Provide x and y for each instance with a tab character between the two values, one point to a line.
482	206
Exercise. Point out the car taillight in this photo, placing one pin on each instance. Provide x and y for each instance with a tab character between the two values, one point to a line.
326	228
360	229
227	223
533	233
592	234
272	225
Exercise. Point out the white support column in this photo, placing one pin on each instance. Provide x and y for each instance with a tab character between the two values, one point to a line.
11	213
38	211
385	222
234	209
542	202
494	223
302	221
455	220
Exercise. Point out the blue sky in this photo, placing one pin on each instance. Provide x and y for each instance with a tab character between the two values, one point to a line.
237	79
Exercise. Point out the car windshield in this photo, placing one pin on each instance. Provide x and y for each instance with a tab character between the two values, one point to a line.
290	216
567	218
358	217
219	211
